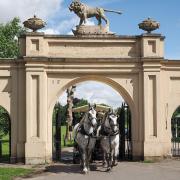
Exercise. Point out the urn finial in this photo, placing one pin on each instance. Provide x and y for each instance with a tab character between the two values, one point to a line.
149	25
34	23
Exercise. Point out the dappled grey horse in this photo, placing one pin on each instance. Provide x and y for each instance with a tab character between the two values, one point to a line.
109	132
84	136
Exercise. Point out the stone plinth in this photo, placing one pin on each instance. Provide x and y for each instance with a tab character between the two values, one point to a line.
91	30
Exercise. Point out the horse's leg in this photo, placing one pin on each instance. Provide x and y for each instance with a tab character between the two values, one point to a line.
104	151
84	161
89	158
112	157
81	158
115	153
104	159
108	159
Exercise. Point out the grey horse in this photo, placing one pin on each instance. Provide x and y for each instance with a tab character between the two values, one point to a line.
84	137
109	132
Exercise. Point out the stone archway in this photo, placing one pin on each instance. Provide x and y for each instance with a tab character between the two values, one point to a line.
120	88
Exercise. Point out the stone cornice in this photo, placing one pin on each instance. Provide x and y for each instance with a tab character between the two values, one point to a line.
37	34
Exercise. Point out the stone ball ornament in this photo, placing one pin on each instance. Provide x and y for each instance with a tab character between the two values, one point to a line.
34	23
149	25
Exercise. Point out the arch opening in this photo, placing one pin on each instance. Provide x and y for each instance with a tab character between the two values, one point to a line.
175	130
61	147
5	135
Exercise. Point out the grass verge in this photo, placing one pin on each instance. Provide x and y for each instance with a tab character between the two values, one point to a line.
10	173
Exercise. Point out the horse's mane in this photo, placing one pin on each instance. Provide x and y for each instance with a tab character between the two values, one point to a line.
83	118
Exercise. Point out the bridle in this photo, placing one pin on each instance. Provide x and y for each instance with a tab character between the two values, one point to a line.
112	125
91	118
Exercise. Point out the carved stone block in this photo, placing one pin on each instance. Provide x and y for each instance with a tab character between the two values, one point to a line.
91	30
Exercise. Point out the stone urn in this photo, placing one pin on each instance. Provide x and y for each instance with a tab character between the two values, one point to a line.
34	23
149	25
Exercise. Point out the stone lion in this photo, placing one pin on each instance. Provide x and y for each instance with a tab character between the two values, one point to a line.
84	11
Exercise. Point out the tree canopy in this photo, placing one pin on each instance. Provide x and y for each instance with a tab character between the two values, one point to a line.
9	34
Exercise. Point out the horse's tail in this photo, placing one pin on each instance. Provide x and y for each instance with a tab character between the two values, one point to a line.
118	12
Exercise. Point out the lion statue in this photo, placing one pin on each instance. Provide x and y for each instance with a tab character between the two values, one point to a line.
84	11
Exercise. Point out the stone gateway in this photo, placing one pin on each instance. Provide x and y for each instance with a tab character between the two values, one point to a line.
50	64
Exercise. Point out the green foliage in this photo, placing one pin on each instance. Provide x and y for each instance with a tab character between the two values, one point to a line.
5	146
63	133
78	103
4	122
176	112
10	173
8	38
62	109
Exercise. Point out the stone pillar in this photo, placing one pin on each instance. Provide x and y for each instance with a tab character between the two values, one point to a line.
32	46
152	48
36	115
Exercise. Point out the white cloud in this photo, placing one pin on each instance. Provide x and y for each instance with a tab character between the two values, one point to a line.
89	22
27	8
65	26
96	92
50	31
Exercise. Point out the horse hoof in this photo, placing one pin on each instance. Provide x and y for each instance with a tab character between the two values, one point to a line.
104	164
115	164
109	169
85	171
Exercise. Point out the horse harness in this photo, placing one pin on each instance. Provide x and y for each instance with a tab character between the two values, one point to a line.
107	131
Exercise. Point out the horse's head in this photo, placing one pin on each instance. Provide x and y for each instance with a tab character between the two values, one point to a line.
111	121
92	115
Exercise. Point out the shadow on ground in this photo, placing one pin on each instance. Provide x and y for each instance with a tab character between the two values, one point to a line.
63	168
73	168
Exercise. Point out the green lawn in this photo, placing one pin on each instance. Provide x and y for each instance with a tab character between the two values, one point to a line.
10	173
63	133
5	149
5	145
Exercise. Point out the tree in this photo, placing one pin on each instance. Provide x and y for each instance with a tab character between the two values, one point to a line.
62	110
9	34
4	122
78	103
